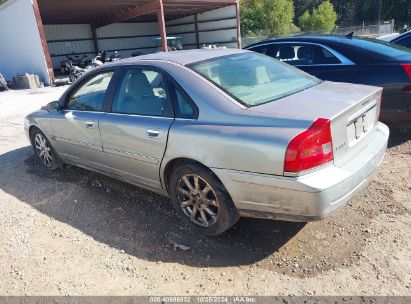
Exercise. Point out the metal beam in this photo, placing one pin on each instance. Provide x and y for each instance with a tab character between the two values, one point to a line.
162	26
237	12
43	38
131	13
95	40
196	30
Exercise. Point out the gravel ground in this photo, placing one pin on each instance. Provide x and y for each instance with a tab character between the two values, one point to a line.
75	232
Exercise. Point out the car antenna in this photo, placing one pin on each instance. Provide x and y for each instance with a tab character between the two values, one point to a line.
350	35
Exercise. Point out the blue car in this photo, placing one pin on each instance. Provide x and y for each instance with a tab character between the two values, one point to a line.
353	60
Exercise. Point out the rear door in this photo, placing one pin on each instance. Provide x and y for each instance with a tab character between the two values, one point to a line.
135	129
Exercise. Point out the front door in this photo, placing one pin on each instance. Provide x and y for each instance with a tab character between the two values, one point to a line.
135	132
76	132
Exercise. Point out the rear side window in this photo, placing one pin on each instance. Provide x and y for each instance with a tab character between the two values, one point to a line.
184	106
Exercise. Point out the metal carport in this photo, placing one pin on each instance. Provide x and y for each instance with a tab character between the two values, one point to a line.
181	17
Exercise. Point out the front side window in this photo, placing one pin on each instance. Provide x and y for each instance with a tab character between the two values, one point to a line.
90	95
141	92
254	79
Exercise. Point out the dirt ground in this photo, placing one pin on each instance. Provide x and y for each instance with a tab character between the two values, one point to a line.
75	232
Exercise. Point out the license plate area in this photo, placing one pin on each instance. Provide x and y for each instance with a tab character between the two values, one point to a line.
359	125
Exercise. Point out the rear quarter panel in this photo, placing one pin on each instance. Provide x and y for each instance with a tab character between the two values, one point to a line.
251	147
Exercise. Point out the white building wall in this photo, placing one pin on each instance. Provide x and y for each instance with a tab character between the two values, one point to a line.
21	50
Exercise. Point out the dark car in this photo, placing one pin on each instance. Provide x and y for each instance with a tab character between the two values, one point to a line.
403	40
353	60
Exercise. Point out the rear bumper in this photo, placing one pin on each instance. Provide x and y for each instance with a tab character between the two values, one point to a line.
309	197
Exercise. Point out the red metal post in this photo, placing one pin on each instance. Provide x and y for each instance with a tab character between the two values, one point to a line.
162	26
43	41
237	10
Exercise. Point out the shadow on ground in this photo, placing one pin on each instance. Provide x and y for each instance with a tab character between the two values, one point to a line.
128	218
398	137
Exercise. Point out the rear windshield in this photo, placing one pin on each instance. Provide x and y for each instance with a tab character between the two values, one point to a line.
254	79
380	46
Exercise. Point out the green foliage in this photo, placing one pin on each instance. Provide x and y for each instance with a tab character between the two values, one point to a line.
271	16
322	18
250	17
277	15
2	1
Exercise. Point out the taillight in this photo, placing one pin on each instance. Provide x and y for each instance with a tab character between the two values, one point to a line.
310	149
407	68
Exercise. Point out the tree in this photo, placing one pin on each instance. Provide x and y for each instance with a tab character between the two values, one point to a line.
250	17
272	16
305	22
322	18
277	15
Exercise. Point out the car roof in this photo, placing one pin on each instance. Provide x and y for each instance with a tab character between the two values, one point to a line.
305	38
376	50
185	57
401	36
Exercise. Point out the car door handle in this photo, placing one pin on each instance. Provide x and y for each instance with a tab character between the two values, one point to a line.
89	124
153	133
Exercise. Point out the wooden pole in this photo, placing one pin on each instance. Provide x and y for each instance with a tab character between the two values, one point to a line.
162	26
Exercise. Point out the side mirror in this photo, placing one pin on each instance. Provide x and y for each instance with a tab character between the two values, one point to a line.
53	106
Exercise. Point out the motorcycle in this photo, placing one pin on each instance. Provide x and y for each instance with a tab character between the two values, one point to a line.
75	72
102	57
82	62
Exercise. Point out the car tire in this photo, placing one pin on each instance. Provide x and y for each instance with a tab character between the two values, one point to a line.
43	150
195	189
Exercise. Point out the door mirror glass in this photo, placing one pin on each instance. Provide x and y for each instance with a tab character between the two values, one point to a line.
52	106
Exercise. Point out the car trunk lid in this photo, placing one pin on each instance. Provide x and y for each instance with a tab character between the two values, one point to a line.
352	109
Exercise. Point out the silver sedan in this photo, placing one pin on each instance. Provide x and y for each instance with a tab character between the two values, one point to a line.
223	133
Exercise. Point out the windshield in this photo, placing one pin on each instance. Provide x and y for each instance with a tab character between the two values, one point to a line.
254	79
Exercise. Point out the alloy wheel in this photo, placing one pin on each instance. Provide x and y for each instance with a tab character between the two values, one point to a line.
43	149
197	200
